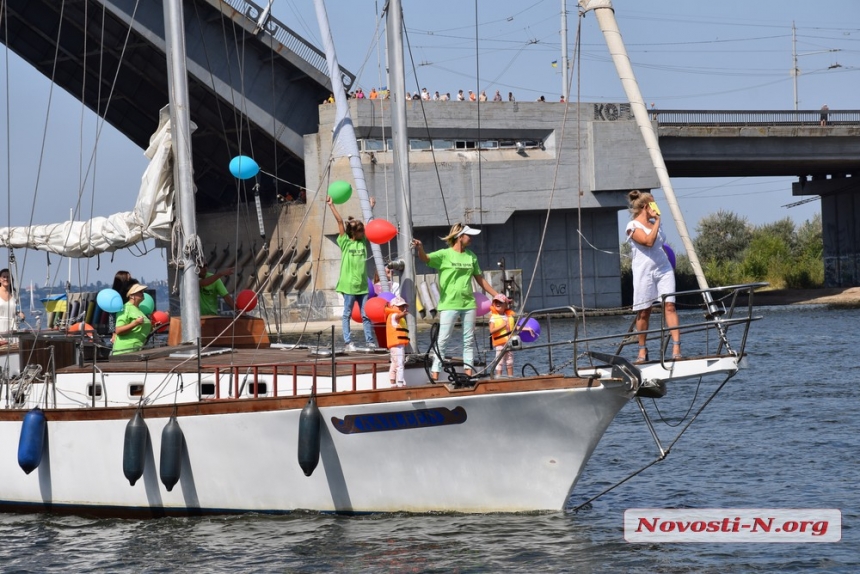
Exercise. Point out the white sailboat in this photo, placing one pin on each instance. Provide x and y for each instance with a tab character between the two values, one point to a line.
178	431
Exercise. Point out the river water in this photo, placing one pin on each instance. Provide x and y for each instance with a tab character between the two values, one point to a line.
782	434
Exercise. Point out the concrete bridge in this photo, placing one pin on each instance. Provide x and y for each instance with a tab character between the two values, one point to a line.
254	89
824	158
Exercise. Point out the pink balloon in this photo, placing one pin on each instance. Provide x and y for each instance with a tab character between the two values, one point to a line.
483	303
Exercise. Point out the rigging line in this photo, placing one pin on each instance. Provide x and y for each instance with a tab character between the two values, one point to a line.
282	180
382	121
559	147
5	16
427	127
212	78
45	128
101	125
326	177
578	59
81	182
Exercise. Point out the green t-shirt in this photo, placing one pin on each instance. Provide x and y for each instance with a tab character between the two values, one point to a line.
131	340
209	296
455	278
353	266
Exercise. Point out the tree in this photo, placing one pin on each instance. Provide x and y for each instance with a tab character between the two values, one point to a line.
723	236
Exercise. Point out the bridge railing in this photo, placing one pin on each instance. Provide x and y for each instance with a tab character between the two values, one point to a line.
292	41
734	118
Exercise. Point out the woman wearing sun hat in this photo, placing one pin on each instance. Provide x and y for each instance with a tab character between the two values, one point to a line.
132	326
457	266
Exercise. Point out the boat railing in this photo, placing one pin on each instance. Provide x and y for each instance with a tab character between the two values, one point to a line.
730	308
279	373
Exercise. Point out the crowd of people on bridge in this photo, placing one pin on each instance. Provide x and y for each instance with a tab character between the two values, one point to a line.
425	95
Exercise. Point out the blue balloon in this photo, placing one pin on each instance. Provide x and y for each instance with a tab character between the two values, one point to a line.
243	167
109	301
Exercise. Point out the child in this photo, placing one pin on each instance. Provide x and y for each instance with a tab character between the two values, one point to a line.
502	322
397	335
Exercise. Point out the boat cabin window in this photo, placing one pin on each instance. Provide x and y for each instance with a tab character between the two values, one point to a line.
262	389
98	390
207	389
135	389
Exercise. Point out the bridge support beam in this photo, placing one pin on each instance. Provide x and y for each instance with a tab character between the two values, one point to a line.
840	218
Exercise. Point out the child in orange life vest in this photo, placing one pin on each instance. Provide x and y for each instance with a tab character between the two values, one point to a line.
397	336
502	323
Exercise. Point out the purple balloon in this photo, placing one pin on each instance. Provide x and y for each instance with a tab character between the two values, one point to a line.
670	254
526	336
371	290
387	295
483	303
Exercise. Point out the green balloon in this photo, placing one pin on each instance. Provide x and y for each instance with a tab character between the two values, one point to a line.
339	191
147	306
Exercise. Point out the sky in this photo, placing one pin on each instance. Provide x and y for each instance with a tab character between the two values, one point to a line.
687	54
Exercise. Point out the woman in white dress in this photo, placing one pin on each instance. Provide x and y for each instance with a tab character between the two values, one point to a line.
9	313
652	272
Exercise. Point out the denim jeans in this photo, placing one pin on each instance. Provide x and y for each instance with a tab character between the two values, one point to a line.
348	304
447	320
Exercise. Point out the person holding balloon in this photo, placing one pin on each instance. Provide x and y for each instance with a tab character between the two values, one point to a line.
352	282
502	323
457	266
653	275
132	325
211	288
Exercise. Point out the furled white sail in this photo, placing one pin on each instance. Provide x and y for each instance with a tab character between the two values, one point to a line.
151	217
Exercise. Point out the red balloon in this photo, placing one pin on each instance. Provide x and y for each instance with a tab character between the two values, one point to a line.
379	231
246	300
356	312
160	321
375	309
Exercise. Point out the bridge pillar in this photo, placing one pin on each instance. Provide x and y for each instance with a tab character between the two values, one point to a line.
840	218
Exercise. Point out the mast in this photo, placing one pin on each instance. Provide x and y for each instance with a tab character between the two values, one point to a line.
605	15
400	138
177	84
795	71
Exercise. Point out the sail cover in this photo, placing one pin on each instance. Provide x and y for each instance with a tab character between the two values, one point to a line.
151	217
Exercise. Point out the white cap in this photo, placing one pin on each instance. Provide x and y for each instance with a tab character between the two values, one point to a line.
398	302
468	231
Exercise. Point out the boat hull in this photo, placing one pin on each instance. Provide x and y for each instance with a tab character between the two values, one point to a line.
484	450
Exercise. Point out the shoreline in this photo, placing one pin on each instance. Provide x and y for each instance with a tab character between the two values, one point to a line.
836	296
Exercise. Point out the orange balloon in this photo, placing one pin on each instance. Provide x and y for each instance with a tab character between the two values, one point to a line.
379	231
88	329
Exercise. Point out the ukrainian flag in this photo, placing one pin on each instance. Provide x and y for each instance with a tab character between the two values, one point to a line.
555	63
